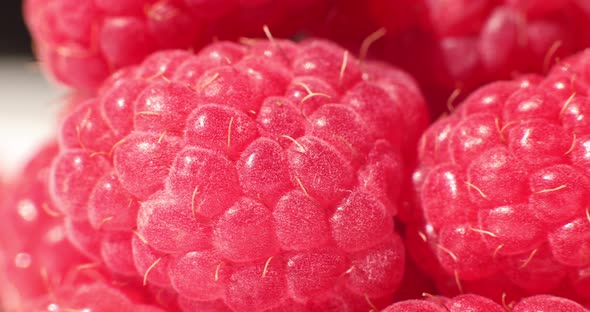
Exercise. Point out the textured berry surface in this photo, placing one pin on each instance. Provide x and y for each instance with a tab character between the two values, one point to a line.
247	177
40	270
481	41
80	44
475	303
452	47
502	185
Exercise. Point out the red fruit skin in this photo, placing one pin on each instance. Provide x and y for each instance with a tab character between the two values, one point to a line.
501	184
80	45
94	296
249	176
79	166
540	302
415	305
471	302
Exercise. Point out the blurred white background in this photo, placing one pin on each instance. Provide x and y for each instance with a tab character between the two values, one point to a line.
25	97
28	104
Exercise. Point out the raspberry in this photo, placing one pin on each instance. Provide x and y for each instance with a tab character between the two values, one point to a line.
470	302
81	44
40	269
92	297
540	302
504	43
31	237
249	177
502	186
453	47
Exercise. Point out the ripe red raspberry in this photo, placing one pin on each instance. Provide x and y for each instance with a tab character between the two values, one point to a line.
96	297
81	42
480	41
452	47
30	236
503	186
470	302
39	269
247	177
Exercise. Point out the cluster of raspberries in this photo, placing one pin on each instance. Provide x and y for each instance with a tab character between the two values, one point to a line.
264	155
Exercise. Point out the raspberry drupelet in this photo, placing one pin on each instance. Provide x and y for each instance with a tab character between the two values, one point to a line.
80	43
40	270
503	187
247	177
